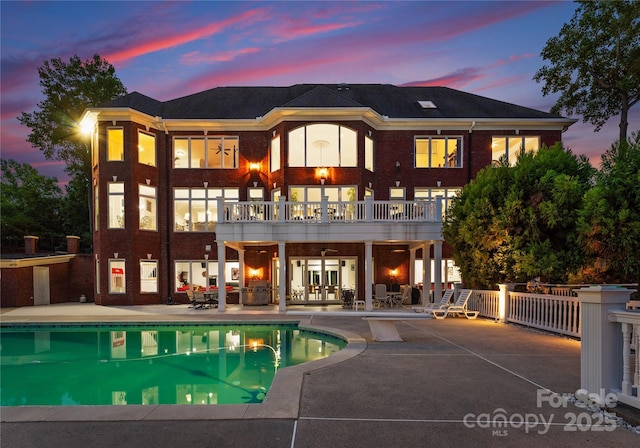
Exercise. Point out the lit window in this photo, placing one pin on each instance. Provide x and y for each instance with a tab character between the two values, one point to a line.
368	153
146	149
507	149
201	152
196	209
438	152
115	144
148	276
147	206
116	205
117	283
319	145
275	154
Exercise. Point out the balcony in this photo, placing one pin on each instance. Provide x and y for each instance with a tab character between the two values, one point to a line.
368	220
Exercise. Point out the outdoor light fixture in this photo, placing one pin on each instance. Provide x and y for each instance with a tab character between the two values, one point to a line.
394	272
323	173
254	166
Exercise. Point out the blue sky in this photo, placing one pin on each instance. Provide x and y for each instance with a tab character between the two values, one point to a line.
171	49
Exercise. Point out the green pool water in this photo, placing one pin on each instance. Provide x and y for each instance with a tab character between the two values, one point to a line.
159	364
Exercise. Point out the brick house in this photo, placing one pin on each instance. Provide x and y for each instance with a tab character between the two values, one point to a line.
315	188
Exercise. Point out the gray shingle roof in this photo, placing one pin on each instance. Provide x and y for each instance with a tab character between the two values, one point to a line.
387	100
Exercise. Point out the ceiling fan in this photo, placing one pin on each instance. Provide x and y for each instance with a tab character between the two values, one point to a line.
324	251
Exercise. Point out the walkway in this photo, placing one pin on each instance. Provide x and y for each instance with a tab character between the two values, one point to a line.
427	391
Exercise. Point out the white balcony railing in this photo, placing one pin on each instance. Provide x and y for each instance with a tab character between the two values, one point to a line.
328	211
629	321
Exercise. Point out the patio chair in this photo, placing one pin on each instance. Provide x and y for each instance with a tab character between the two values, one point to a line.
429	307
380	297
403	297
458	308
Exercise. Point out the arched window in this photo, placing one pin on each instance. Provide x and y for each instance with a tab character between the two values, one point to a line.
323	145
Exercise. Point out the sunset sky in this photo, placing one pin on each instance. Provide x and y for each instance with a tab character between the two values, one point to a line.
171	49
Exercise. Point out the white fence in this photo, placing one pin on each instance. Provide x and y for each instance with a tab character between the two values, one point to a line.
582	317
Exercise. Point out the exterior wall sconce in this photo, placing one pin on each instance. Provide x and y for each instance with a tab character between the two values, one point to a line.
254	166
397	183
205	183
438	183
255	274
397	164
322	174
206	256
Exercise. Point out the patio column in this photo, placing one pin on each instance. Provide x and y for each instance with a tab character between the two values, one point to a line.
368	275
437	275
426	272
282	274
412	267
222	292
601	341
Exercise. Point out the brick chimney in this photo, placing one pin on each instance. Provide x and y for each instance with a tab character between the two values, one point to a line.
73	244
31	244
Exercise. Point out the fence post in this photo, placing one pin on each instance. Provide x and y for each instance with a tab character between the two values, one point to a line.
601	340
503	301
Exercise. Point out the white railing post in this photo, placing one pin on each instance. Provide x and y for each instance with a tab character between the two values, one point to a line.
503	301
221	210
368	209
324	209
281	209
601	341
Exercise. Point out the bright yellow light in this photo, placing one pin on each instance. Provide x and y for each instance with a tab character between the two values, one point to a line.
254	166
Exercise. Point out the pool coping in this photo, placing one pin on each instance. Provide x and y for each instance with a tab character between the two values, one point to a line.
282	400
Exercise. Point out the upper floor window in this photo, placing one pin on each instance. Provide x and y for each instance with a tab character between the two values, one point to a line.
115	191
368	153
445	193
115	144
275	154
438	152
509	148
205	152
318	145
148	209
196	209
146	148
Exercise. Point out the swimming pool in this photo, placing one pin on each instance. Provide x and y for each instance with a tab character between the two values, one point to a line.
119	364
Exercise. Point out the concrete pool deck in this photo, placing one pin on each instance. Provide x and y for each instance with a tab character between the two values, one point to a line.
449	383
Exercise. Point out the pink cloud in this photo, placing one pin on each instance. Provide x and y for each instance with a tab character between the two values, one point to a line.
196	57
174	40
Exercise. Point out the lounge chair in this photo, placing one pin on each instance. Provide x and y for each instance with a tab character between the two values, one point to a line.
403	297
458	308
429	307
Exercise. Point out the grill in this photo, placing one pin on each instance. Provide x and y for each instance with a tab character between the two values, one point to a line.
257	293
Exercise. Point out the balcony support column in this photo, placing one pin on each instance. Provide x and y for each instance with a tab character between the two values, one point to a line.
426	272
222	281
282	275
437	275
368	275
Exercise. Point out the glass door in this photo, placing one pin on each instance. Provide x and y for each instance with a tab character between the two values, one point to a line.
316	281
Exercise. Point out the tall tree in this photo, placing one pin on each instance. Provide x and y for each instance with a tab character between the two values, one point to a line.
594	62
512	224
30	203
69	88
609	225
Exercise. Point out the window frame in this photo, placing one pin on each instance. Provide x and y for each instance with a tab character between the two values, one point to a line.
141	149
293	148
109	143
459	154
204	162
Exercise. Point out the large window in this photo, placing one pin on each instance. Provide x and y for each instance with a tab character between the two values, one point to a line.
205	152
203	274
115	144
509	148
438	152
275	154
117	283
148	276
323	145
116	205
196	209
368	153
146	148
426	193
147	206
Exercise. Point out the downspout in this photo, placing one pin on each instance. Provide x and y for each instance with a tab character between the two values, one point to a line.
168	162
473	124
